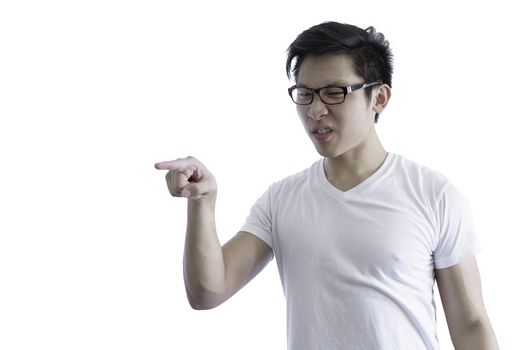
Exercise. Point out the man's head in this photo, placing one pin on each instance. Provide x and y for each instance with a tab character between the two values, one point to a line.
368	50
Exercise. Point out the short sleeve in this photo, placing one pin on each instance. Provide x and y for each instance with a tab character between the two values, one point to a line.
457	238
259	221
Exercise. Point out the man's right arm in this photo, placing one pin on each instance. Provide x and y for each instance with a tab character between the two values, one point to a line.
212	273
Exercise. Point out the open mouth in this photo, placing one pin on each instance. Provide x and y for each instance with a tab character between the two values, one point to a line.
323	131
322	134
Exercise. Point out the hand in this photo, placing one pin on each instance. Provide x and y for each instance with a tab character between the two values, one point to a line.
188	177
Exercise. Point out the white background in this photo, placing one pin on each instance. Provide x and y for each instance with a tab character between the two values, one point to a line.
93	93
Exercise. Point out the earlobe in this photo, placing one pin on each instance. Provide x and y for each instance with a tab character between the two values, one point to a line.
382	98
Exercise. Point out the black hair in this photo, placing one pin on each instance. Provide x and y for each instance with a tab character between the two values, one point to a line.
369	50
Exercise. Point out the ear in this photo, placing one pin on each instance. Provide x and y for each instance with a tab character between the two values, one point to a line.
383	94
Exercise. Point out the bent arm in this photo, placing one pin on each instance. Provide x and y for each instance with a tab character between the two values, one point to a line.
212	273
461	295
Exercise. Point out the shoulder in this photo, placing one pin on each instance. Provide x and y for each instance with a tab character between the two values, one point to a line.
291	182
419	177
418	170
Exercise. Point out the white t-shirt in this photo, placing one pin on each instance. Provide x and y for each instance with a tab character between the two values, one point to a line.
357	267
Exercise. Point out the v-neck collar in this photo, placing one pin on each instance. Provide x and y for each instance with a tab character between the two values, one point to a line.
321	174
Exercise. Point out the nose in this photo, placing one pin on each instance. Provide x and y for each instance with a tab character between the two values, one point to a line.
317	109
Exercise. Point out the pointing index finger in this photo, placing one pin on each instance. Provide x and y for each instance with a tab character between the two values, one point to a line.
179	164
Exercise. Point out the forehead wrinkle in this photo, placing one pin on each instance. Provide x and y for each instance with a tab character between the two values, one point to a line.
335	83
325	70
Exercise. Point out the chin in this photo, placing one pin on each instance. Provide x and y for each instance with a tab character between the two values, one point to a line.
326	153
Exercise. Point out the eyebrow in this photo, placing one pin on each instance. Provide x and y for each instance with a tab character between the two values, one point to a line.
335	83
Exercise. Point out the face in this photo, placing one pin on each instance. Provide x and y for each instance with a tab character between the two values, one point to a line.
351	122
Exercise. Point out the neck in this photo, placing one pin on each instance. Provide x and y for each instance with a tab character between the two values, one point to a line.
354	166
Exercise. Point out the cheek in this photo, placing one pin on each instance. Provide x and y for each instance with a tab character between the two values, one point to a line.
356	114
350	122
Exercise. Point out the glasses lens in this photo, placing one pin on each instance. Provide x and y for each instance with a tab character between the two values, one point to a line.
332	95
302	96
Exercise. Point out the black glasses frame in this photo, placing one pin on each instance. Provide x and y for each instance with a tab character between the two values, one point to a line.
347	90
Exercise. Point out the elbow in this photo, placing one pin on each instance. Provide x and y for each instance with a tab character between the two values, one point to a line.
203	301
201	296
478	335
200	305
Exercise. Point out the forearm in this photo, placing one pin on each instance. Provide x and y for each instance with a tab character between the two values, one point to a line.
203	260
478	337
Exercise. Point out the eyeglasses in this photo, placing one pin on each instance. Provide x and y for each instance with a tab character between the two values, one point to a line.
330	95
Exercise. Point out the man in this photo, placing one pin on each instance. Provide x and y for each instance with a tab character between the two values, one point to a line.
361	235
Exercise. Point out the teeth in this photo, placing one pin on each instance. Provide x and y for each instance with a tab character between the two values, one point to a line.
323	131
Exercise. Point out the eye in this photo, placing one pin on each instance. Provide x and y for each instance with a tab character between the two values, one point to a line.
304	92
333	92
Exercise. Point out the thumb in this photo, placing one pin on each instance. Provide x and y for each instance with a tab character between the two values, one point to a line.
186	192
195	191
